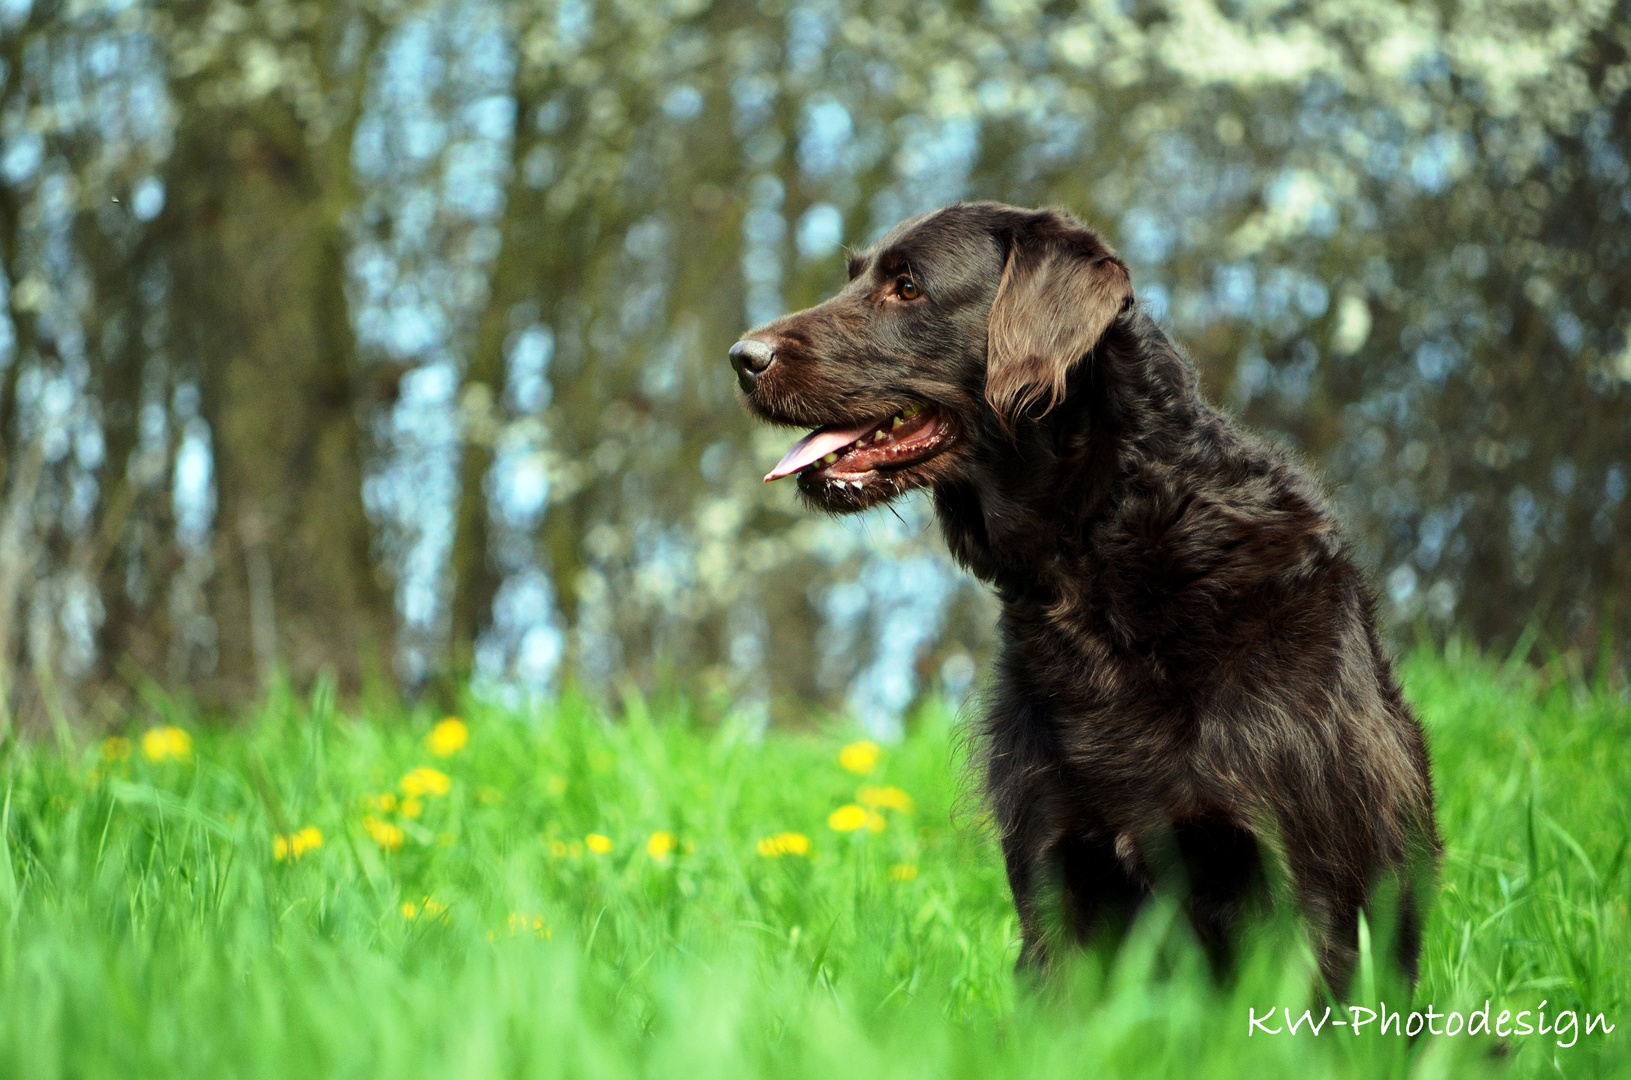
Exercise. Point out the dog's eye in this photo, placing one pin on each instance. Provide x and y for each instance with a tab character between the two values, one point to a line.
907	288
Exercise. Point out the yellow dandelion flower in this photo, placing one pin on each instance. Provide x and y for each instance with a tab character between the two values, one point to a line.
787	843
433	907
521	923
597	843
875	821
305	840
448	737
410	910
115	748
847	818
860	757
166	743
885	798
280	848
557	848
384	801
660	844
412	807
385	834
903	872
423	781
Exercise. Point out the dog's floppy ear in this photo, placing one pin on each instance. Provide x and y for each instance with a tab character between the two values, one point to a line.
1060	290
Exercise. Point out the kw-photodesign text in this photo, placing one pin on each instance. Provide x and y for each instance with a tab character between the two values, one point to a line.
1564	1027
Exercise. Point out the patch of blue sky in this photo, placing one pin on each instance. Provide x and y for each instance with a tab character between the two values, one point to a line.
1570	331
907	599
192	488
752	98
414	491
529	353
492	117
22	156
1155	298
519	486
147	198
574	22
1564	475
1435	360
413	63
664	562
764	226
933	162
1234	288
1525	518
1301	200
1614	485
682	102
1286	293
1440	160
764	230
473	178
643	303
820	231
1433	533
1146	236
807	35
825	137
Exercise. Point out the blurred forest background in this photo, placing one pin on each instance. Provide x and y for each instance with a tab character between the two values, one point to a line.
387	338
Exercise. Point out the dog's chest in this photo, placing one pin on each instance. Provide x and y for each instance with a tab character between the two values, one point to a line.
1118	724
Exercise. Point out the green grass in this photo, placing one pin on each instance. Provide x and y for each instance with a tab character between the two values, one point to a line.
146	928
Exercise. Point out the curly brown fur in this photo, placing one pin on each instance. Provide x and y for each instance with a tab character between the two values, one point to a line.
1190	674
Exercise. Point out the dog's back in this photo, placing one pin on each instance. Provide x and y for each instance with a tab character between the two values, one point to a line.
1196	674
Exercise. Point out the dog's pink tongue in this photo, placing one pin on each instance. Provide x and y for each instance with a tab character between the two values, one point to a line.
815	446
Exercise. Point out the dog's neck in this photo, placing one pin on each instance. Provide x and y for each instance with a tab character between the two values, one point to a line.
1127	402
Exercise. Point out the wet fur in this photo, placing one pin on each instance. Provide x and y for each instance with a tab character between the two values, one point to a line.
1190	678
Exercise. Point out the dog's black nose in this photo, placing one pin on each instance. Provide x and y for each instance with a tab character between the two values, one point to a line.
750	358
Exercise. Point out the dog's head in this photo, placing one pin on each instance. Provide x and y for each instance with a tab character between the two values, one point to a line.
954	329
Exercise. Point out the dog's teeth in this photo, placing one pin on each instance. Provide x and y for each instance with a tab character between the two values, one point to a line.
897	422
829	459
880	435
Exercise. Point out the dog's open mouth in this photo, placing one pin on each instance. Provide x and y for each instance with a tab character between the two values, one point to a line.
851	456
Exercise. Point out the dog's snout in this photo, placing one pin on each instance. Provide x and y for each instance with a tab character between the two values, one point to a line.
750	357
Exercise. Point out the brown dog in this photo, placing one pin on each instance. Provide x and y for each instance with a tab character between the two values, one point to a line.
1190	671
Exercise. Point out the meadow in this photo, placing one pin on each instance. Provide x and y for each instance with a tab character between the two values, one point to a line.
655	890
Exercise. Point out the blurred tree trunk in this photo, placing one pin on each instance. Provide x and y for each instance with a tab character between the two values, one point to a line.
132	551
513	280
546	257
19	464
258	259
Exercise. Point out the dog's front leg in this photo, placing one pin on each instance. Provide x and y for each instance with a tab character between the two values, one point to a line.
1023	849
1021	780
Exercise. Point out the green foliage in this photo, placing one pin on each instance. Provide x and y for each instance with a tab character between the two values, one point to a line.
147	925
